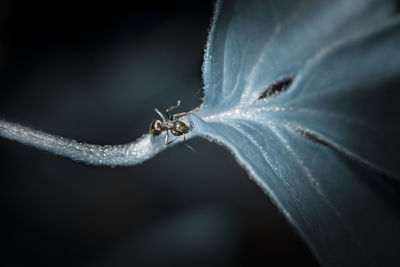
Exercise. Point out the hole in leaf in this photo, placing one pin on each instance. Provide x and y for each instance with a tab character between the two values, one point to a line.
276	88
318	140
312	137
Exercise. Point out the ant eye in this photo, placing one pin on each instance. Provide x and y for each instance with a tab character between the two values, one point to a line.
155	128
157	125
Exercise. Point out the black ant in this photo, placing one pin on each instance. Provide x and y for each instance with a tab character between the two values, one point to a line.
172	124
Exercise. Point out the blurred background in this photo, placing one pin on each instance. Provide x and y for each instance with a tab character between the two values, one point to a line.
94	73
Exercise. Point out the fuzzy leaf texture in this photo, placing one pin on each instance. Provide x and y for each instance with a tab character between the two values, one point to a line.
304	95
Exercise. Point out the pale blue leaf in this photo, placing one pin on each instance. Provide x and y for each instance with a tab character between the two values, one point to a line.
336	65
356	105
253	43
349	216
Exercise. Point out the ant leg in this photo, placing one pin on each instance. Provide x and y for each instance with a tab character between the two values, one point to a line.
170	142
171	108
184	142
166	139
178	115
160	114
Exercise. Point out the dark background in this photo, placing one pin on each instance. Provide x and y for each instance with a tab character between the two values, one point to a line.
94	73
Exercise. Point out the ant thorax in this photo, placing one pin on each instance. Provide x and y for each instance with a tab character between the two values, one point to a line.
169	125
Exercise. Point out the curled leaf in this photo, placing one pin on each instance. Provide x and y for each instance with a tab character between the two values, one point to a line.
302	92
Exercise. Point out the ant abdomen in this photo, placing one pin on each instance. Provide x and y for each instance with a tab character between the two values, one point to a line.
179	128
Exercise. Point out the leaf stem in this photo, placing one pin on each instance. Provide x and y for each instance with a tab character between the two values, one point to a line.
133	153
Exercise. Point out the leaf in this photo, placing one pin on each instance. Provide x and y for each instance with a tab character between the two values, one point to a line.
302	92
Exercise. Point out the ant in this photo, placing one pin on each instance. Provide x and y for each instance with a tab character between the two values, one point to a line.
172	124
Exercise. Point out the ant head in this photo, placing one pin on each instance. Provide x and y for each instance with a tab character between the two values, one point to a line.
179	128
155	127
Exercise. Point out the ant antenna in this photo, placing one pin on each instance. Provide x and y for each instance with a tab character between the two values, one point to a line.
159	113
171	108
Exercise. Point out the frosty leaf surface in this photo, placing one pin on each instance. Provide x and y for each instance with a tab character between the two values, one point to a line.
253	43
334	204
356	106
304	94
133	153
